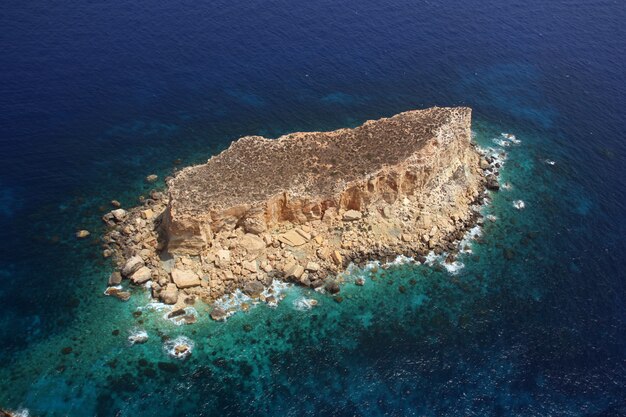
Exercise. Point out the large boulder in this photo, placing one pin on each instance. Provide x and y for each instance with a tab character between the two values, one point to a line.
141	276
115	278
253	289
252	243
119	214
218	314
132	265
184	278
352	215
292	238
332	287
169	295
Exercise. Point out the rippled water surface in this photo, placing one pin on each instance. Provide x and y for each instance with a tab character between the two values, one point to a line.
95	96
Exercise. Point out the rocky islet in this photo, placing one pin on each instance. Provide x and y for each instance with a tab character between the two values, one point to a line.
302	207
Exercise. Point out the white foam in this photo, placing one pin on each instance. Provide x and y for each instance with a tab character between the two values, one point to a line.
155	306
233	302
453	268
501	142
519	204
401	260
507	186
491	217
138	336
549	162
511	137
304	304
113	287
179	320
173	347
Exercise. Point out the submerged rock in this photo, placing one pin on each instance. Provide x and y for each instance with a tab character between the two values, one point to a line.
138	337
332	287
219	314
81	234
118	293
115	278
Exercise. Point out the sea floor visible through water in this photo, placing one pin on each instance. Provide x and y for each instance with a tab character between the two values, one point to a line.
431	339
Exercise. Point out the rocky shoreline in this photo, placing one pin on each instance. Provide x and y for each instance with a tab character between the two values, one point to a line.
302	208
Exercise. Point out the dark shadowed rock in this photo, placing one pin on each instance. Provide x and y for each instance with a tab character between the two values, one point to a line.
253	289
218	314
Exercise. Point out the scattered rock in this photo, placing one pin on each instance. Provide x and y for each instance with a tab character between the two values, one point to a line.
141	275
254	225
359	281
218	314
292	238
332	287
249	266
252	243
116	292
184	278
116	204
132	265
492	184
170	294
253	289
122	295
295	271
352	215
138	338
152	178
337	258
119	214
66	350
180	350
312	266
176	313
223	255
81	234
115	278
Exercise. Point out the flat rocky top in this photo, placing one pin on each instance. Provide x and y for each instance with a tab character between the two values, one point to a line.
311	164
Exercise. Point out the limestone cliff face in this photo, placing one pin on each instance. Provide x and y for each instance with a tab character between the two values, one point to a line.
257	183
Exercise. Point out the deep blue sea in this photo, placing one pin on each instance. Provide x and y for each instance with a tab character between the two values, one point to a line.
95	95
